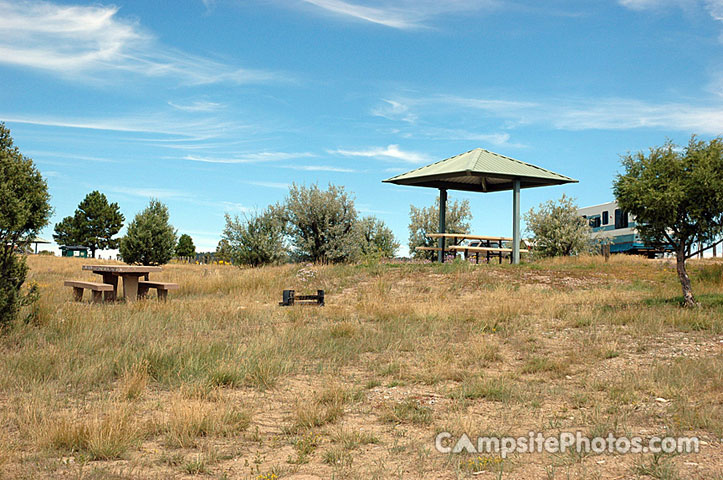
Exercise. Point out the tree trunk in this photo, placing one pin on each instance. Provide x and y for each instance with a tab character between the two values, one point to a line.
688	299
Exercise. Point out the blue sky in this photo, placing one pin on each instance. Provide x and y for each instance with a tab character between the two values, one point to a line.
217	106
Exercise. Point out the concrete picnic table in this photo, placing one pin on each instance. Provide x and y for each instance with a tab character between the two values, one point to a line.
129	273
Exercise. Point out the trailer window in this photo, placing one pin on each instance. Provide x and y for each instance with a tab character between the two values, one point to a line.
621	219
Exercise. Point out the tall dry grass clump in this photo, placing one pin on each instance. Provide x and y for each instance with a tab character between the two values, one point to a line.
105	433
188	420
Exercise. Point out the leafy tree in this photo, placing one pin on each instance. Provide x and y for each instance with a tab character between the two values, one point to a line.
24	211
376	238
151	239
67	232
676	196
426	220
557	229
93	225
255	240
185	247
223	251
321	223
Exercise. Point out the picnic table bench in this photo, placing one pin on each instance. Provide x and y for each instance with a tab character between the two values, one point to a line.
488	250
133	287
162	289
98	289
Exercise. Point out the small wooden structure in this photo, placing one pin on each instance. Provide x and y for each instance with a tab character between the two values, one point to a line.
74	251
290	298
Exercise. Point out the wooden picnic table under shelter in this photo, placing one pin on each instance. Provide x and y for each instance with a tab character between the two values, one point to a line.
485	245
480	170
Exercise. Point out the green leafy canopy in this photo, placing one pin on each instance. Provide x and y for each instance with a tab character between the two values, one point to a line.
676	196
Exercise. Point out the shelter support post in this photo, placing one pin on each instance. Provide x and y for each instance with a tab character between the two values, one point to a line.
516	222
442	222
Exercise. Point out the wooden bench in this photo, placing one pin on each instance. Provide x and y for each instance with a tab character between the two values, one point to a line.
484	249
489	251
161	287
289	298
98	289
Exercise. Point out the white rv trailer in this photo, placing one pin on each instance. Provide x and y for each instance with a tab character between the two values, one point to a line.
612	225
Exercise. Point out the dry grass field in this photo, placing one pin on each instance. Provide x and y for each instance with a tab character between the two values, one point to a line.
221	382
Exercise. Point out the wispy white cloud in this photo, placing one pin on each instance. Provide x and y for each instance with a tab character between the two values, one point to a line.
235	207
174	195
498	139
209	4
141	123
320	168
648	4
40	155
400	14
255	157
94	41
197	106
149	192
394	110
279	185
488	104
419	115
713	7
625	114
570	114
391	152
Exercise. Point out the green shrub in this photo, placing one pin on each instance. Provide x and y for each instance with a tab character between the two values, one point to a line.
423	221
256	240
557	229
24	210
322	224
150	240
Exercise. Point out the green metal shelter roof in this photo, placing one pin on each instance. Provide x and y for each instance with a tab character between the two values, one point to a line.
480	170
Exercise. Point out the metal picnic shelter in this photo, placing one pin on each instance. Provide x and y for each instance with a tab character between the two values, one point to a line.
480	170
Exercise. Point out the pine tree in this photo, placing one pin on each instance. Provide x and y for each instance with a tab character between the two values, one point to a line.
151	239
